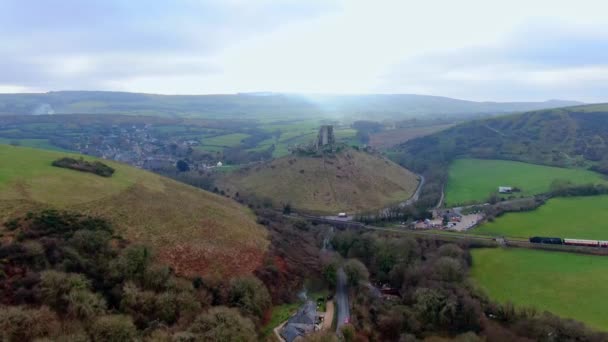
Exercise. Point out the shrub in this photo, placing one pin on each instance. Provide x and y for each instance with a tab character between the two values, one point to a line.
95	167
112	328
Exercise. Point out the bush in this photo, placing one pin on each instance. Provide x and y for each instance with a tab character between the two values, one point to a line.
113	328
95	167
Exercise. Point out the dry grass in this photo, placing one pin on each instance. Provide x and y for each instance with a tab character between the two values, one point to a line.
193	231
350	181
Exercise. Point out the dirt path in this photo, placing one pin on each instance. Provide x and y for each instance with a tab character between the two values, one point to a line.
329	315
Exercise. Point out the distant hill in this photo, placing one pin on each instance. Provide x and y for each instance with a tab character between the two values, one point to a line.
194	231
257	105
348	181
570	137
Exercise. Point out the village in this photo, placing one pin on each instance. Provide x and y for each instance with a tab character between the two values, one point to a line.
458	219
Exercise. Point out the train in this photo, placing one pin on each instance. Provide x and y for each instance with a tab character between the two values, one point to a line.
569	242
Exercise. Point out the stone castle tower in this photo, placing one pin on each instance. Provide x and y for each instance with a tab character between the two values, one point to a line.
325	137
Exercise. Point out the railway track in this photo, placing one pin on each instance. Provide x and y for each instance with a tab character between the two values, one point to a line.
499	241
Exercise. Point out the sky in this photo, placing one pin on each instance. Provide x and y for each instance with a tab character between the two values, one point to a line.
483	50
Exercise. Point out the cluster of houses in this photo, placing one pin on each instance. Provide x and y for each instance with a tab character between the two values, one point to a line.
138	146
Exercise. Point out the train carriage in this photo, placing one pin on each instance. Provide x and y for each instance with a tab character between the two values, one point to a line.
581	242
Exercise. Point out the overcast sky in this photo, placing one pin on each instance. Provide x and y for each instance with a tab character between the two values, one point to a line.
470	49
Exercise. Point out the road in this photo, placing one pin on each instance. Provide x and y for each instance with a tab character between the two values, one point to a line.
341	300
416	194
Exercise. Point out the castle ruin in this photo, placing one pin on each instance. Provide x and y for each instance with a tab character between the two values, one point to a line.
325	137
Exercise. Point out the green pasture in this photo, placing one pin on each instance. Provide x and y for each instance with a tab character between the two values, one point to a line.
566	284
474	180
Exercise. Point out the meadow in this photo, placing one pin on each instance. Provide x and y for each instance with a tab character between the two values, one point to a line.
474	180
568	285
570	217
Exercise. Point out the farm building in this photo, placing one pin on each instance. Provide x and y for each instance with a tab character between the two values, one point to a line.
505	189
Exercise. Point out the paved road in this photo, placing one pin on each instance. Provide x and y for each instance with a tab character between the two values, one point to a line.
416	195
341	300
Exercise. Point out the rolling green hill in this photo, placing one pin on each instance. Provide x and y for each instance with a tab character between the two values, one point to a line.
256	105
193	231
573	136
348	181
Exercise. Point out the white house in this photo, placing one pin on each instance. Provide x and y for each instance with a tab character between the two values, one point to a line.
219	164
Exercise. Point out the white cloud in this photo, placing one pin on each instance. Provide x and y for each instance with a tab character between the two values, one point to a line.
475	49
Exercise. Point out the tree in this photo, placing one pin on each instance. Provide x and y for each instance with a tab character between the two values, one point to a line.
448	269
348	333
55	288
19	324
85	304
132	263
113	328
223	324
356	272
182	166
287	209
250	295
330	273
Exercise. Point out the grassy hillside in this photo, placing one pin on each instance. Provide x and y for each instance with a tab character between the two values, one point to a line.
474	180
348	181
194	231
571	217
569	285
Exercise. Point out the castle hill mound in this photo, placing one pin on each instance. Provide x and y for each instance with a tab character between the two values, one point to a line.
347	181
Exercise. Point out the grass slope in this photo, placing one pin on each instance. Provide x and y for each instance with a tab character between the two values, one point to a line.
194	231
569	285
349	181
474	180
572	217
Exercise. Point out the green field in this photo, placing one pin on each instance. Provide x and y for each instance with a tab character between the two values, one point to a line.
569	285
571	217
474	180
227	140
